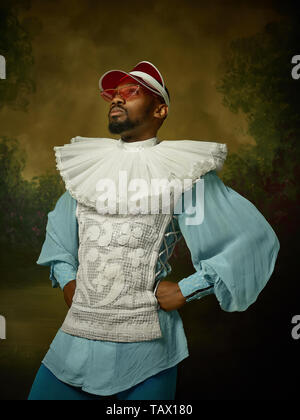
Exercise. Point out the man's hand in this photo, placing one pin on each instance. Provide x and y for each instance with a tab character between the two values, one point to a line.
169	296
69	291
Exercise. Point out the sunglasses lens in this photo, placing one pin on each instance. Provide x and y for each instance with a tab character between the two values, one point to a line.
126	92
108	94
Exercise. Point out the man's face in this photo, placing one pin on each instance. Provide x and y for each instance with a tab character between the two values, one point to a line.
136	113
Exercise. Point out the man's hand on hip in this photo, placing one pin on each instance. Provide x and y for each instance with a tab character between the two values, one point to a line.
169	296
69	291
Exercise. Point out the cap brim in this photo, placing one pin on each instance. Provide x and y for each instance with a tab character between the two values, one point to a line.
111	78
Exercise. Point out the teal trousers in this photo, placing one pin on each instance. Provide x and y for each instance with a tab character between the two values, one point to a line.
47	386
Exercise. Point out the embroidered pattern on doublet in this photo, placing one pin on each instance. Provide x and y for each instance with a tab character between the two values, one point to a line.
114	298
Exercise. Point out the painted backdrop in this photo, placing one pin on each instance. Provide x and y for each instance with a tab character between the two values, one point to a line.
228	67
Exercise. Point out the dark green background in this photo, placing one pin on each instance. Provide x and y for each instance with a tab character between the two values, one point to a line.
227	66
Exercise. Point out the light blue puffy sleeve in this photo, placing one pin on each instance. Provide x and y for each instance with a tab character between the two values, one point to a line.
60	248
233	250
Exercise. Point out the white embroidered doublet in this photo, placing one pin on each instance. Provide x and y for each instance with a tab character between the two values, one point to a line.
118	253
114	298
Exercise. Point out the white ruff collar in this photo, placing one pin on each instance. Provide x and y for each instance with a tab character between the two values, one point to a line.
86	161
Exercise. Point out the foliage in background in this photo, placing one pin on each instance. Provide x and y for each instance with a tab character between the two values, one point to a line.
257	81
24	205
15	46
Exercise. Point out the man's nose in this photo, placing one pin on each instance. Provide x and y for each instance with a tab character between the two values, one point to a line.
117	99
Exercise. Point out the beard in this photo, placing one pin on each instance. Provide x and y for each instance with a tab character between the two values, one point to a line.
118	127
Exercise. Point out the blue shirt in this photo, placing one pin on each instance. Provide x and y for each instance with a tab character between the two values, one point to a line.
233	251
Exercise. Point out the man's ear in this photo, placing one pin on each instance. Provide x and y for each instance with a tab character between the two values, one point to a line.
161	111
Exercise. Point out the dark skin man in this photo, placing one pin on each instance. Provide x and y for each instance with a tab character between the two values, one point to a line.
138	118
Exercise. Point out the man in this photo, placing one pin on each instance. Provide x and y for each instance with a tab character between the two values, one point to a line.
123	335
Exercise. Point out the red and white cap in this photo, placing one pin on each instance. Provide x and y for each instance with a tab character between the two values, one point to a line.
144	72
